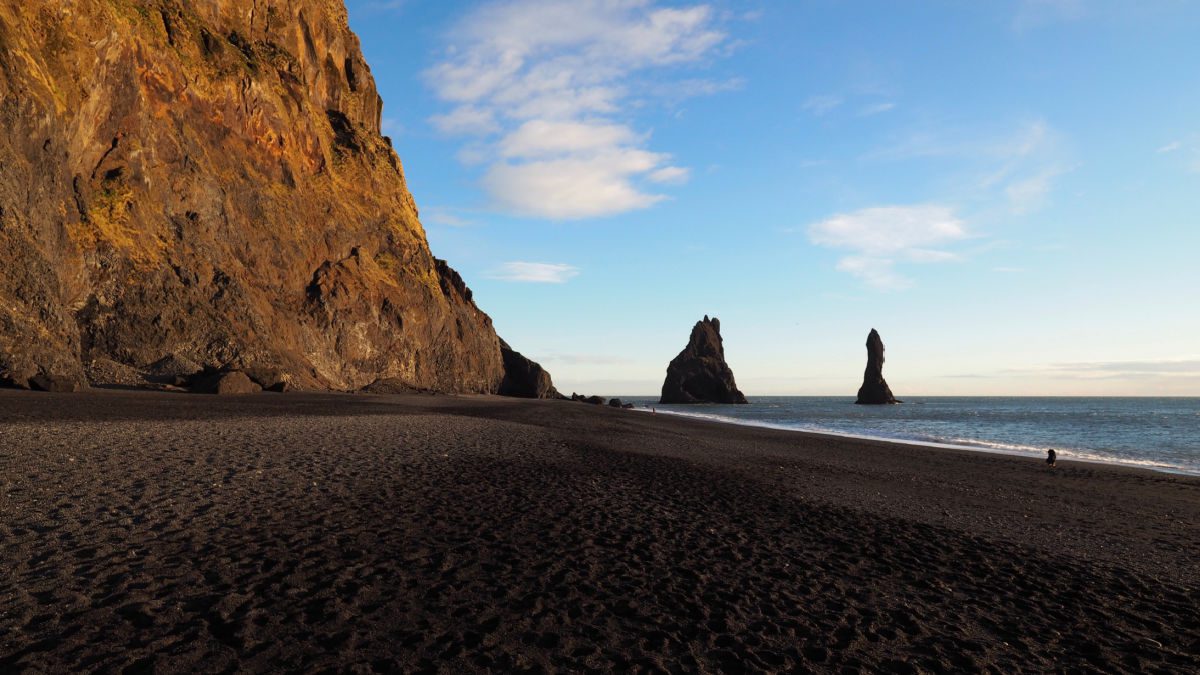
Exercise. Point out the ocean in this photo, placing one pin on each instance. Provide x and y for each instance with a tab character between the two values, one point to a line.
1156	433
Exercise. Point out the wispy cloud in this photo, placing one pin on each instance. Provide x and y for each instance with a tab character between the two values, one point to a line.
876	109
391	126
1170	147
533	272
1182	367
1018	168
881	237
822	104
1032	14
466	120
449	217
379	5
538	88
1030	193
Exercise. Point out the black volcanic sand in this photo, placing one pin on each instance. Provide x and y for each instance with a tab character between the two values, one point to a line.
161	532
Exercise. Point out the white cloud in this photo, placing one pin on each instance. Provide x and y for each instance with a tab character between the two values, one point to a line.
552	78
543	138
574	187
539	273
881	237
466	121
1169	147
875	109
672	175
821	104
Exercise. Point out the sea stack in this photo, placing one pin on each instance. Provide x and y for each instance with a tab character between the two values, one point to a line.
699	374
874	390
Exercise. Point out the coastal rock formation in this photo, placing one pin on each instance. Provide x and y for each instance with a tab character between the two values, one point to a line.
699	374
524	378
206	183
229	383
874	388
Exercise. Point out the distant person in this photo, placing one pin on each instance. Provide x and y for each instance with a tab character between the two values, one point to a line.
1051	457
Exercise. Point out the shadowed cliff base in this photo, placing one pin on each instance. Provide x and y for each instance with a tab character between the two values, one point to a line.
304	532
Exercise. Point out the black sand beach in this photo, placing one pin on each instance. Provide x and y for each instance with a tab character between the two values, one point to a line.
144	532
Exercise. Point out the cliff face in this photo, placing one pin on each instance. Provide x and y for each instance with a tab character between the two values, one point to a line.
874	389
524	378
206	182
699	373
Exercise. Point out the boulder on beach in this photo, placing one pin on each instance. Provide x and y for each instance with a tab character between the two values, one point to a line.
875	390
699	373
226	383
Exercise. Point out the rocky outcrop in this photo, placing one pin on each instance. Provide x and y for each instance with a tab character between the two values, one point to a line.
874	388
524	378
206	182
699	374
230	383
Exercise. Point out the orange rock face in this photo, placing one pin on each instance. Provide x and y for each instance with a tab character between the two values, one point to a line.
207	181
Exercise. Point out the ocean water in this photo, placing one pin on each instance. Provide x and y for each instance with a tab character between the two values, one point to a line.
1158	433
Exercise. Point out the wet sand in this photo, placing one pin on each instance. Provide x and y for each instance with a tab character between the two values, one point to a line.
148	532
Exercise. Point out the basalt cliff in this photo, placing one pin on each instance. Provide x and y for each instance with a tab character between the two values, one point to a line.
699	373
874	389
204	185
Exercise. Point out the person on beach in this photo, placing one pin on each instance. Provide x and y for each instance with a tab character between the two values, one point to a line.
1051	457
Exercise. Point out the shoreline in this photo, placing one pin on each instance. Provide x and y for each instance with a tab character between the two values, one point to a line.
1012	452
306	532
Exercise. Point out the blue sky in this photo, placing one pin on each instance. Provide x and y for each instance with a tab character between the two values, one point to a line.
1008	191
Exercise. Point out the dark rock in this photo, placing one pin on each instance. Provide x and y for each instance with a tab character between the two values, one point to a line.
699	373
106	372
595	400
270	379
628	406
875	390
226	383
524	378
58	382
173	369
616	403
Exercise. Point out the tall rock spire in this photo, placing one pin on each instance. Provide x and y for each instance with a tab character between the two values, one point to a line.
874	388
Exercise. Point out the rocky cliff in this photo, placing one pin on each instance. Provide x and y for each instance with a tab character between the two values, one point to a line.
699	373
874	388
206	183
524	378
